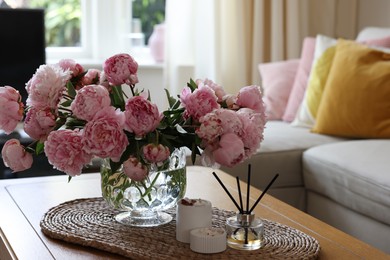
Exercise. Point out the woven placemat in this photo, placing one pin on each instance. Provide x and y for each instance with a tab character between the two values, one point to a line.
90	222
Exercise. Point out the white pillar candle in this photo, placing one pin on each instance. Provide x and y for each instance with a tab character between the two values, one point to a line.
208	240
190	214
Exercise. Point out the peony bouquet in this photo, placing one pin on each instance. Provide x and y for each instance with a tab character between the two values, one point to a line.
74	115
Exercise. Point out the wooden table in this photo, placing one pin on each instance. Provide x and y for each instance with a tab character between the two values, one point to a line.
23	202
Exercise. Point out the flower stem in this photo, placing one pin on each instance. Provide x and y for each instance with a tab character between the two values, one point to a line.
132	90
149	189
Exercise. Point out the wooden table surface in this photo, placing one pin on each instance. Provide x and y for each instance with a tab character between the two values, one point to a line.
23	202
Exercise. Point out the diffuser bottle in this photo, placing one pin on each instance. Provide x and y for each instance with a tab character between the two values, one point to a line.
245	232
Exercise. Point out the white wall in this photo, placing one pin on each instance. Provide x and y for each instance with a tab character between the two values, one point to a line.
373	13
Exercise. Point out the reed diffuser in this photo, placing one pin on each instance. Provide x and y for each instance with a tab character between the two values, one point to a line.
245	231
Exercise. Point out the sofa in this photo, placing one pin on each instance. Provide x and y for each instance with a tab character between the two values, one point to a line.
343	180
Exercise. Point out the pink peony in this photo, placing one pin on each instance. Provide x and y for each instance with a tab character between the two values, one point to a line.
252	133
250	97
141	116
92	77
121	69
89	100
11	108
202	101
156	153
230	151
39	123
185	94
258	119
219	91
104	135
230	121
46	86
134	169
210	127
64	151
69	64
15	156
217	123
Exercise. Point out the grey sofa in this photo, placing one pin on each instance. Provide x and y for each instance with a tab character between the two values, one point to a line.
344	182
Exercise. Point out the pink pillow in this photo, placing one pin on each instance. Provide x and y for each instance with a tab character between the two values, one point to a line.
300	82
277	81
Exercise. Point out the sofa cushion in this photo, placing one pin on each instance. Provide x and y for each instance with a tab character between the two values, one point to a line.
307	112
323	58
277	89
300	81
372	33
355	174
355	101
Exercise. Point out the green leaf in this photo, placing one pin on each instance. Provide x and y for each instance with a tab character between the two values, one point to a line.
114	165
192	85
66	103
69	178
39	148
171	100
149	98
193	154
117	97
72	122
71	91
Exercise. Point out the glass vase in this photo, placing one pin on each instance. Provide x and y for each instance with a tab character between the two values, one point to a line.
142	202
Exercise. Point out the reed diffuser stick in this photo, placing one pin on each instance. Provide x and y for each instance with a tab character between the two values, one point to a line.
248	188
263	193
228	193
239	193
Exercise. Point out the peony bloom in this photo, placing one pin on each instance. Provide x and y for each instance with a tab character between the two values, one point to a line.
253	130
46	86
134	169
230	151
69	64
92	77
185	93
217	123
230	121
11	108
121	69
210	127
104	136
64	151
156	153
219	91
202	101
250	97
15	156
89	100
39	122
141	116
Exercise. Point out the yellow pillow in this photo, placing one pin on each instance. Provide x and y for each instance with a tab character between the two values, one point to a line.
356	98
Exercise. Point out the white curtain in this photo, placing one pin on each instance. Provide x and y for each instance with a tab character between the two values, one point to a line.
225	40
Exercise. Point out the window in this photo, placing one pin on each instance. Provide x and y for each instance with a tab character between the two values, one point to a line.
146	13
62	21
95	29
